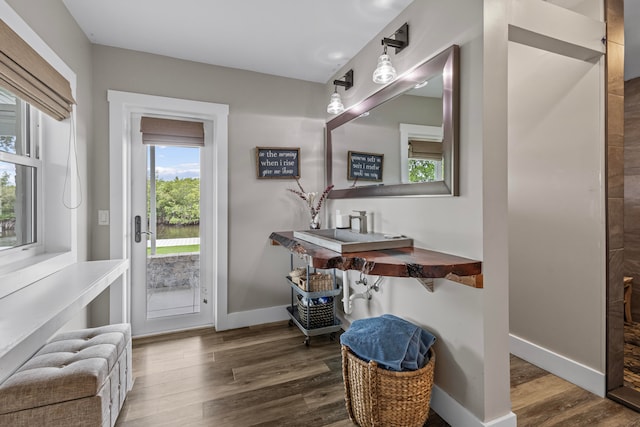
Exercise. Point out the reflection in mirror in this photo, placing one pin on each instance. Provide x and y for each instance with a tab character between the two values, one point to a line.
415	129
421	153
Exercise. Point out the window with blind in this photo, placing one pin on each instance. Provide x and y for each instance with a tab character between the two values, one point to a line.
37	227
26	79
425	161
160	131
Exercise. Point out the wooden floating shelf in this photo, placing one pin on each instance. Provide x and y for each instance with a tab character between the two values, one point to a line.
421	264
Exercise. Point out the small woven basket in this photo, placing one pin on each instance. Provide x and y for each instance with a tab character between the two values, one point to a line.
297	273
317	282
320	315
380	397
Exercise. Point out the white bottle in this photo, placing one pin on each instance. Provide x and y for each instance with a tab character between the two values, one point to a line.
342	221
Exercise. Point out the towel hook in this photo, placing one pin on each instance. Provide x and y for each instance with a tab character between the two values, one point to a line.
367	266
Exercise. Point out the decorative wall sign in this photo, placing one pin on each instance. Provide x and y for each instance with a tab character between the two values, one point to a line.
365	166
275	162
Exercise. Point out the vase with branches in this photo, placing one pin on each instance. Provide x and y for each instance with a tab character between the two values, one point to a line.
310	200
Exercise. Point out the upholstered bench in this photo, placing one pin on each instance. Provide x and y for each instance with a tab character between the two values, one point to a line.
79	378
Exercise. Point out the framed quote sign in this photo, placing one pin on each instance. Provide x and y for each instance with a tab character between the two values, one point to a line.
277	162
365	166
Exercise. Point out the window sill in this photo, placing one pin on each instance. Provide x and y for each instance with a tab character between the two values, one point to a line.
31	315
20	274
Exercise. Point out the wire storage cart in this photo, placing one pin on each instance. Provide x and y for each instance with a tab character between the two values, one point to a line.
313	301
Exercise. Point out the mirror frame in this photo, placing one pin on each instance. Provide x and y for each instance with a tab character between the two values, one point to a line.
446	63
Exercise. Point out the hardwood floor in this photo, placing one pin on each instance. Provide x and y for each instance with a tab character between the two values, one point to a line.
265	376
632	355
539	399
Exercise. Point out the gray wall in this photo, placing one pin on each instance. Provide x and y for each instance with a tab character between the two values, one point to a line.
263	111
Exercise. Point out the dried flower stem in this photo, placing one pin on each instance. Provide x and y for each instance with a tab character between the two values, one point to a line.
309	198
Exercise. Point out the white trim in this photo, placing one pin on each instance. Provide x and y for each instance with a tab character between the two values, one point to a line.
568	369
241	319
121	106
457	415
174	331
549	27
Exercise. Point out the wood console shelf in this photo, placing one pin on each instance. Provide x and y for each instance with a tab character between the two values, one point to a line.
421	264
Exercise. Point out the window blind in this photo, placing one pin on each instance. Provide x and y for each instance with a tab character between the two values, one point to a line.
29	76
157	131
425	150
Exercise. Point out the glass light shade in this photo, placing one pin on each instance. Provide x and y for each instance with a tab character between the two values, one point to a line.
335	104
384	72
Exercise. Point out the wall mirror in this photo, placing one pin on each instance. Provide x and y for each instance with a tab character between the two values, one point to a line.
410	125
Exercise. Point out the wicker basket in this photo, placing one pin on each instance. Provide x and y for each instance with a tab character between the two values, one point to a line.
379	397
320	315
318	282
296	273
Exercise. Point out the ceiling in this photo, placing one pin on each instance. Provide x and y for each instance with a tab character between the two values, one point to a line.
301	39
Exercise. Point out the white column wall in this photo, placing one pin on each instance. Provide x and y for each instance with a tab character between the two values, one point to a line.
557	247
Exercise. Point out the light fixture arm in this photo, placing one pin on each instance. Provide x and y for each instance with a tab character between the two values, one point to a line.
347	83
400	39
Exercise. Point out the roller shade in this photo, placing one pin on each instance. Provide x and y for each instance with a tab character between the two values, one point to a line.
27	75
156	131
425	150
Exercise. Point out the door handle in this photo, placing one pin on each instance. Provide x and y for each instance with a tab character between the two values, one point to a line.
138	233
137	229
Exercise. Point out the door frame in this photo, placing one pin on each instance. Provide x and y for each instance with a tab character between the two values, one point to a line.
121	106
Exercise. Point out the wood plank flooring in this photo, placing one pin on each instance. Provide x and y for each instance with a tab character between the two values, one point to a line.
265	376
632	355
540	399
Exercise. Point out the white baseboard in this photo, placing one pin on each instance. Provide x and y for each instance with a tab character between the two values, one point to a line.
260	316
561	366
457	415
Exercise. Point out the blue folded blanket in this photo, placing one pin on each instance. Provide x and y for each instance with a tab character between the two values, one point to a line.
390	341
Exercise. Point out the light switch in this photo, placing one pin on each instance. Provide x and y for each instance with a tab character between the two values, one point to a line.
103	217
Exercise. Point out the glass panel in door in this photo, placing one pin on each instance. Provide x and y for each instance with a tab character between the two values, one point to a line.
173	224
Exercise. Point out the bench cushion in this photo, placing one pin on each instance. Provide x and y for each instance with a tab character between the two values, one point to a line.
73	365
30	388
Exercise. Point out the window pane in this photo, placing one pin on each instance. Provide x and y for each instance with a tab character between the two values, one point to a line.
12	140
425	170
17	206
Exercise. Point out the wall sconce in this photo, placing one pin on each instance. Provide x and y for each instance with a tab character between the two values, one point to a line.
384	72
335	102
